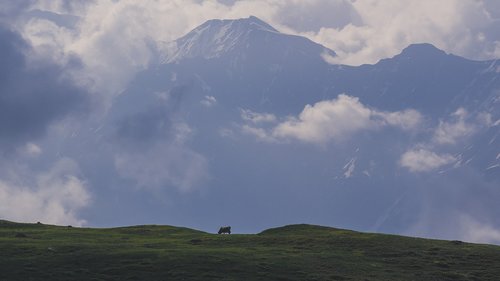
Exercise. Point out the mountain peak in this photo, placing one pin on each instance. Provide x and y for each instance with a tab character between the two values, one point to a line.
250	23
214	37
421	50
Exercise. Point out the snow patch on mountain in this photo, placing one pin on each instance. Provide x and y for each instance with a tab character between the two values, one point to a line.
349	168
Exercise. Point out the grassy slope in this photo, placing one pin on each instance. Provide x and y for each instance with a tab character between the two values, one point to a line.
297	252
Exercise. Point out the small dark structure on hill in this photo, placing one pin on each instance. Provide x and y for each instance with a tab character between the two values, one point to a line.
225	230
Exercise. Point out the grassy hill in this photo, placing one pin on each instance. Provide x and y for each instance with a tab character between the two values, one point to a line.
295	252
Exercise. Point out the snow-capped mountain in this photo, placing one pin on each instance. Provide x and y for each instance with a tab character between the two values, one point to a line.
237	105
241	37
214	38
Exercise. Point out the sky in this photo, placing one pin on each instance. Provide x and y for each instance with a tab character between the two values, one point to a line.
64	63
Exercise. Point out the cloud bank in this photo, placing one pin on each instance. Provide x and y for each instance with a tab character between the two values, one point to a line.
330	120
451	131
54	196
478	231
33	95
422	160
466	28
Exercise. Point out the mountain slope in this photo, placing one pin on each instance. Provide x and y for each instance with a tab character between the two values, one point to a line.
201	128
295	252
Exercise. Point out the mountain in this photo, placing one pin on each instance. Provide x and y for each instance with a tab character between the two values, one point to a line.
428	79
239	39
241	123
292	252
248	52
245	54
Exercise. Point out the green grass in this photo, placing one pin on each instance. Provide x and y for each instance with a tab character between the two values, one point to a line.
296	252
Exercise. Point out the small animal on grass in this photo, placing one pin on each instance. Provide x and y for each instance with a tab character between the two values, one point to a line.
225	230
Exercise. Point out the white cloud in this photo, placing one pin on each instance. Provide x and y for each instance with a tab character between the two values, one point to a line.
226	133
208	101
259	133
30	150
458	126
454	223
256	117
55	196
115	39
327	120
478	232
389	26
408	119
422	160
331	120
449	132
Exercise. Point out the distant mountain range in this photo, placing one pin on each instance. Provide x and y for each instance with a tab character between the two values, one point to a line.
407	145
